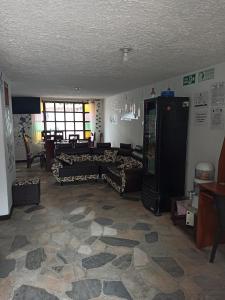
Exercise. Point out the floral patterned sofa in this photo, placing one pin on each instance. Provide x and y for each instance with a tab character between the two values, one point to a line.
127	175
81	167
122	172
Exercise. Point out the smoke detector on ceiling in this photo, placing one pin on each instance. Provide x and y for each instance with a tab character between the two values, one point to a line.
125	51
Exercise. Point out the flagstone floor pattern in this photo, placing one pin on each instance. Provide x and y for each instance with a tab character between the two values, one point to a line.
86	242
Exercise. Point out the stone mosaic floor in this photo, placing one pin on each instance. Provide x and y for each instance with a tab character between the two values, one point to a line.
85	242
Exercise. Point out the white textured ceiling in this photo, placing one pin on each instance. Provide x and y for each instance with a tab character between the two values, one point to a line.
48	47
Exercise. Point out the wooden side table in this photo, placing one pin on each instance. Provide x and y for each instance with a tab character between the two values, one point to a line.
207	217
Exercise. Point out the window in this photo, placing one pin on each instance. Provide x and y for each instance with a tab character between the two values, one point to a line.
71	118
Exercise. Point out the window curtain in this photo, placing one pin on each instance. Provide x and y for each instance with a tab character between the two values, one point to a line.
92	115
37	126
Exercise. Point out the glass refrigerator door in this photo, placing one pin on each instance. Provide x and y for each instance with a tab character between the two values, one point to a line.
150	138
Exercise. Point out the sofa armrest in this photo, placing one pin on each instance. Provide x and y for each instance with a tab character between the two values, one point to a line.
133	179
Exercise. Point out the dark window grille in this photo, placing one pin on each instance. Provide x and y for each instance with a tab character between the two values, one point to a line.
69	117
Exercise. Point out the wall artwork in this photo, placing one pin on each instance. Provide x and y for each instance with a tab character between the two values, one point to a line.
22	123
9	140
9	131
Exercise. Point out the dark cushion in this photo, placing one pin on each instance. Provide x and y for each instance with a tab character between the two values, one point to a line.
124	152
104	145
125	146
71	151
137	155
82	145
63	146
84	150
138	148
138	152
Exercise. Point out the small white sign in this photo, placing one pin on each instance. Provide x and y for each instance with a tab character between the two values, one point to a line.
217	118
201	105
206	75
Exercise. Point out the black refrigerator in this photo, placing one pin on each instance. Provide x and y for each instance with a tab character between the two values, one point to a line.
164	151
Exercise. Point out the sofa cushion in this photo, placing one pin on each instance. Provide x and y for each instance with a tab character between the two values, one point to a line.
84	150
130	163
82	145
110	155
125	146
104	145
99	158
138	148
137	155
124	152
65	158
82	157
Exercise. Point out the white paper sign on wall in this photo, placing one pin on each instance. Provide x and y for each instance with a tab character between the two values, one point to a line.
206	75
201	105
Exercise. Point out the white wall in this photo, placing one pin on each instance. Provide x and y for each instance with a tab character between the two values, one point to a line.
204	143
7	161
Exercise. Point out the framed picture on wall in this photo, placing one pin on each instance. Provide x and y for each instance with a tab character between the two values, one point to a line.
6	91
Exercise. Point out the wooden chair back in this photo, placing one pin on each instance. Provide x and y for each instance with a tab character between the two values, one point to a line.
58	135
74	137
26	144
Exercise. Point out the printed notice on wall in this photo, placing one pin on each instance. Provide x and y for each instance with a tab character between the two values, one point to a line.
218	93
201	105
217	118
217	105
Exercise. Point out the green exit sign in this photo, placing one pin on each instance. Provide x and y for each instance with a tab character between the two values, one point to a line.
189	79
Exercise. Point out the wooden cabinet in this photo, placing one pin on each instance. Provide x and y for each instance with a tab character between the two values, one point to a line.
207	217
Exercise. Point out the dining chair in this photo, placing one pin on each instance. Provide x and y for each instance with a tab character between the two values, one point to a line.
29	155
73	138
58	136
